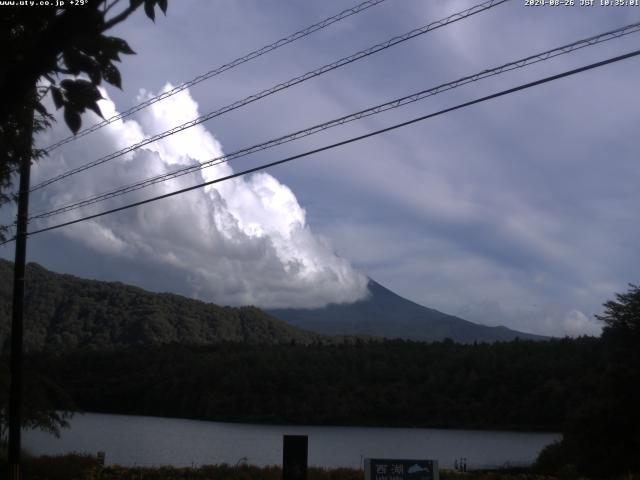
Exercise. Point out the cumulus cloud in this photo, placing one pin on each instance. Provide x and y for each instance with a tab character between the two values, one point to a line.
243	241
547	320
576	323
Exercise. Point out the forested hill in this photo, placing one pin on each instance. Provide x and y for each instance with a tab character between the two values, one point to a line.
64	312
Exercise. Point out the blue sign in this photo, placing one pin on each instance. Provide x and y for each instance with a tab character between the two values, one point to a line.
400	469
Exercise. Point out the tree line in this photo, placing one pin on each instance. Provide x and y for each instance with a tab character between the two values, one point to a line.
587	388
521	385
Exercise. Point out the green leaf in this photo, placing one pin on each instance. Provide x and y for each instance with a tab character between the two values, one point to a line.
90	44
72	117
148	9
82	91
109	48
121	45
163	6
112	75
78	62
71	62
80	95
41	110
67	83
95	75
56	94
95	108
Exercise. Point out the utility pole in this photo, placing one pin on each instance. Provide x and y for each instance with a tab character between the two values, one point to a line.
17	318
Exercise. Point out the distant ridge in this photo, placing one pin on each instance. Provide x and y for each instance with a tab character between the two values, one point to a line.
386	314
63	312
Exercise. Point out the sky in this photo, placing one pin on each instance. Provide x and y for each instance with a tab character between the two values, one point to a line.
520	211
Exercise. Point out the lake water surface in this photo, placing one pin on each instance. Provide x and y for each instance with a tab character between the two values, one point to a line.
134	440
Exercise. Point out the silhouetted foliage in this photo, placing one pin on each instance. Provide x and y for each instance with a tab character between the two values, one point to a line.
259	369
623	316
165	355
72	466
45	405
522	385
63	51
602	435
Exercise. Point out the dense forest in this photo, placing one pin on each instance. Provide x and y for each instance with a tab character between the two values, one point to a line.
588	388
108	347
515	385
64	312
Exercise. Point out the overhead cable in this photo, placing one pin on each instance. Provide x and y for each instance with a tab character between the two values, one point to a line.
281	86
223	68
344	142
8	240
530	60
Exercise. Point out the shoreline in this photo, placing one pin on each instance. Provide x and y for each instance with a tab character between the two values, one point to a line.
333	425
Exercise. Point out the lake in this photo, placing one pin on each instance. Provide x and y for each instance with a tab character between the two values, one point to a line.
134	440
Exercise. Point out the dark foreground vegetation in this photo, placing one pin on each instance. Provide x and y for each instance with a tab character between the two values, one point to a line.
83	467
515	385
588	388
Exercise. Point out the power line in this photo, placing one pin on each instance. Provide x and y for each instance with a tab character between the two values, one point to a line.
7	241
348	118
212	73
14	229
348	141
281	86
223	68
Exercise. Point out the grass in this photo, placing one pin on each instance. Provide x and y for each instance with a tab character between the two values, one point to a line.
86	467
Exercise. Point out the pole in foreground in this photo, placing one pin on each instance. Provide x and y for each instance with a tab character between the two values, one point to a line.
17	319
294	457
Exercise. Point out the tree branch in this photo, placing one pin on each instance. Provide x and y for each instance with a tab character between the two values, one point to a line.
122	15
43	92
109	7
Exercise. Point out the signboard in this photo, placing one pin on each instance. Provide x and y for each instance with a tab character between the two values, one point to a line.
294	457
397	469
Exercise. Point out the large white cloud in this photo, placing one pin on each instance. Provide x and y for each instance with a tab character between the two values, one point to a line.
243	241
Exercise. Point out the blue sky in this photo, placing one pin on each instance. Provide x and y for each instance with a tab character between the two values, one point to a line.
520	211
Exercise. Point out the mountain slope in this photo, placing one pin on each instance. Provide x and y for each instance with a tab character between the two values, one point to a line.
386	314
64	312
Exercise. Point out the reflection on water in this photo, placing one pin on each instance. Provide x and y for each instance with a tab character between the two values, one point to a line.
133	440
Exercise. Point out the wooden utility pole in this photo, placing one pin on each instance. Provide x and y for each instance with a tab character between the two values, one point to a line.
17	318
